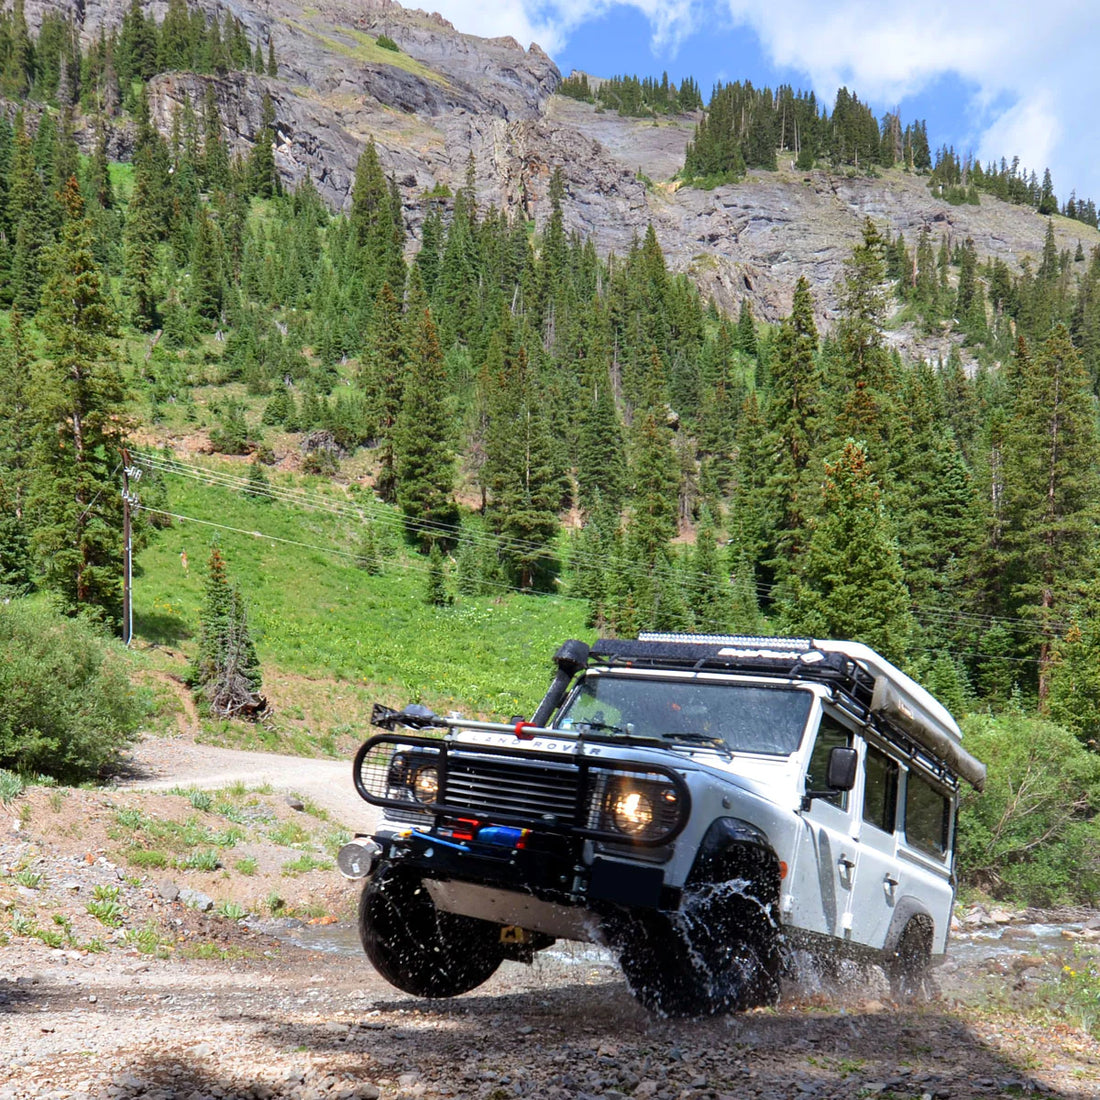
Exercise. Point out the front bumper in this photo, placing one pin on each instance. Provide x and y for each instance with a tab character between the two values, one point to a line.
551	869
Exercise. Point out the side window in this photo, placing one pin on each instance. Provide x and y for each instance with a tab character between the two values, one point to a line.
880	792
830	734
927	816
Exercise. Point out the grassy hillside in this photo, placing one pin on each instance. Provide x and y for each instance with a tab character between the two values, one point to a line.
333	637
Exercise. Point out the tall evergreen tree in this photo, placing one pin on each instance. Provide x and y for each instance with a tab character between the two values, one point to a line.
423	451
850	583
794	407
78	402
523	487
1051	490
383	382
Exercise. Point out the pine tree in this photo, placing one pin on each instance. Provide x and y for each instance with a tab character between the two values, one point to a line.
28	214
423	454
16	441
866	379
215	156
519	470
708	589
383	383
78	405
207	288
1051	489
376	228
654	470
1075	671
263	177
226	668
435	592
850	583
139	243
794	407
601	457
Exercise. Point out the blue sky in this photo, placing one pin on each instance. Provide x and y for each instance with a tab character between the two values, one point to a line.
991	77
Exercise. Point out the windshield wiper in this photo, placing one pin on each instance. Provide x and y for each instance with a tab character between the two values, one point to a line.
706	739
595	724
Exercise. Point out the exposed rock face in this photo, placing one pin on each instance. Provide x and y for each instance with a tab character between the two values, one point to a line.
447	95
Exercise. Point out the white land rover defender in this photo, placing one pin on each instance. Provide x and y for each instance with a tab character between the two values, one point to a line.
700	804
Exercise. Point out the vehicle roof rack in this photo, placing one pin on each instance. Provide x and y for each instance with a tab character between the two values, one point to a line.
791	658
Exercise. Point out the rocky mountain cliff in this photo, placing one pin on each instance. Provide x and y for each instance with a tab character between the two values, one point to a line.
446	95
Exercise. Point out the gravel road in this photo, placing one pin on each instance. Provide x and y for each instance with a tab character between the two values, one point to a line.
162	764
268	1017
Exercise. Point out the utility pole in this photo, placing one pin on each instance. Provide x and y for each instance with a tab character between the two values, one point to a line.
129	500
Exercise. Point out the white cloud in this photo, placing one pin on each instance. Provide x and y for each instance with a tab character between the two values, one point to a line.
551	22
1032	67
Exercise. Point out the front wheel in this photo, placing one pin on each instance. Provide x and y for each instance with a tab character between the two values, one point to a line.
416	946
719	953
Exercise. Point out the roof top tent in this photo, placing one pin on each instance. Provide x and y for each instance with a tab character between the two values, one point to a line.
855	670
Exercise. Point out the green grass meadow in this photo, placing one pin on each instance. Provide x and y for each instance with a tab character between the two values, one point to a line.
331	636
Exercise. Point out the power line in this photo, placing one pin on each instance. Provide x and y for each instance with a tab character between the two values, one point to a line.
375	511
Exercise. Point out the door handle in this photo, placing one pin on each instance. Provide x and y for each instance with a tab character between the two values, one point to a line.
890	880
845	864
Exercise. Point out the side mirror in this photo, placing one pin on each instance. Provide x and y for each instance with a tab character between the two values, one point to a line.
840	771
840	774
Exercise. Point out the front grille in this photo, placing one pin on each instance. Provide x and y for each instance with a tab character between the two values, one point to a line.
486	786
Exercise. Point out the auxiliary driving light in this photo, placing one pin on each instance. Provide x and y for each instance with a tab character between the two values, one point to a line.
426	784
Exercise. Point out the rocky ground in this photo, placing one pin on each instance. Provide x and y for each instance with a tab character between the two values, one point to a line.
180	974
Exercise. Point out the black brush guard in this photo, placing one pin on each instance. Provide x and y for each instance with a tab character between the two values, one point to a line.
524	788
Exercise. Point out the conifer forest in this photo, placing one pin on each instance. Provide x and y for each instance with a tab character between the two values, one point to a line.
543	418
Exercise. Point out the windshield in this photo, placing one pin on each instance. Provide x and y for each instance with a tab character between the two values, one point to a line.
740	717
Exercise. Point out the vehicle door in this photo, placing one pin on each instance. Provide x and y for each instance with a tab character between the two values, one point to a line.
819	885
876	877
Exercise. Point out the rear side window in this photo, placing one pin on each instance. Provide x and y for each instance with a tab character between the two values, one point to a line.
880	793
927	816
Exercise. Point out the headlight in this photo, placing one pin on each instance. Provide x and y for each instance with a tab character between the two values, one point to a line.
640	808
414	777
632	812
425	784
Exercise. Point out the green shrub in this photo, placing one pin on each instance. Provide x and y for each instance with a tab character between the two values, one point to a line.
304	864
66	705
11	786
200	800
203	860
1032	836
149	858
387	43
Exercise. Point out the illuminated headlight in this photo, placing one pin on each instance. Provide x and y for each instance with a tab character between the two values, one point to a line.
414	776
642	809
632	812
425	784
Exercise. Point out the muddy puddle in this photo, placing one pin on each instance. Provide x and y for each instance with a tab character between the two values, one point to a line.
967	948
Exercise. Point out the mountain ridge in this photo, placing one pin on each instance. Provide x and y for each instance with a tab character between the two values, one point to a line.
448	96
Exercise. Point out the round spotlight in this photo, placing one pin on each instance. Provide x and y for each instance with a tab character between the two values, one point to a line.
426	784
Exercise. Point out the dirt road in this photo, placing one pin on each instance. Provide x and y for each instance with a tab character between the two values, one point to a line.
162	764
183	1003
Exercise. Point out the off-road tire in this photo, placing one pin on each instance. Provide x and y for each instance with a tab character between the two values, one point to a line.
416	946
909	968
725	958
